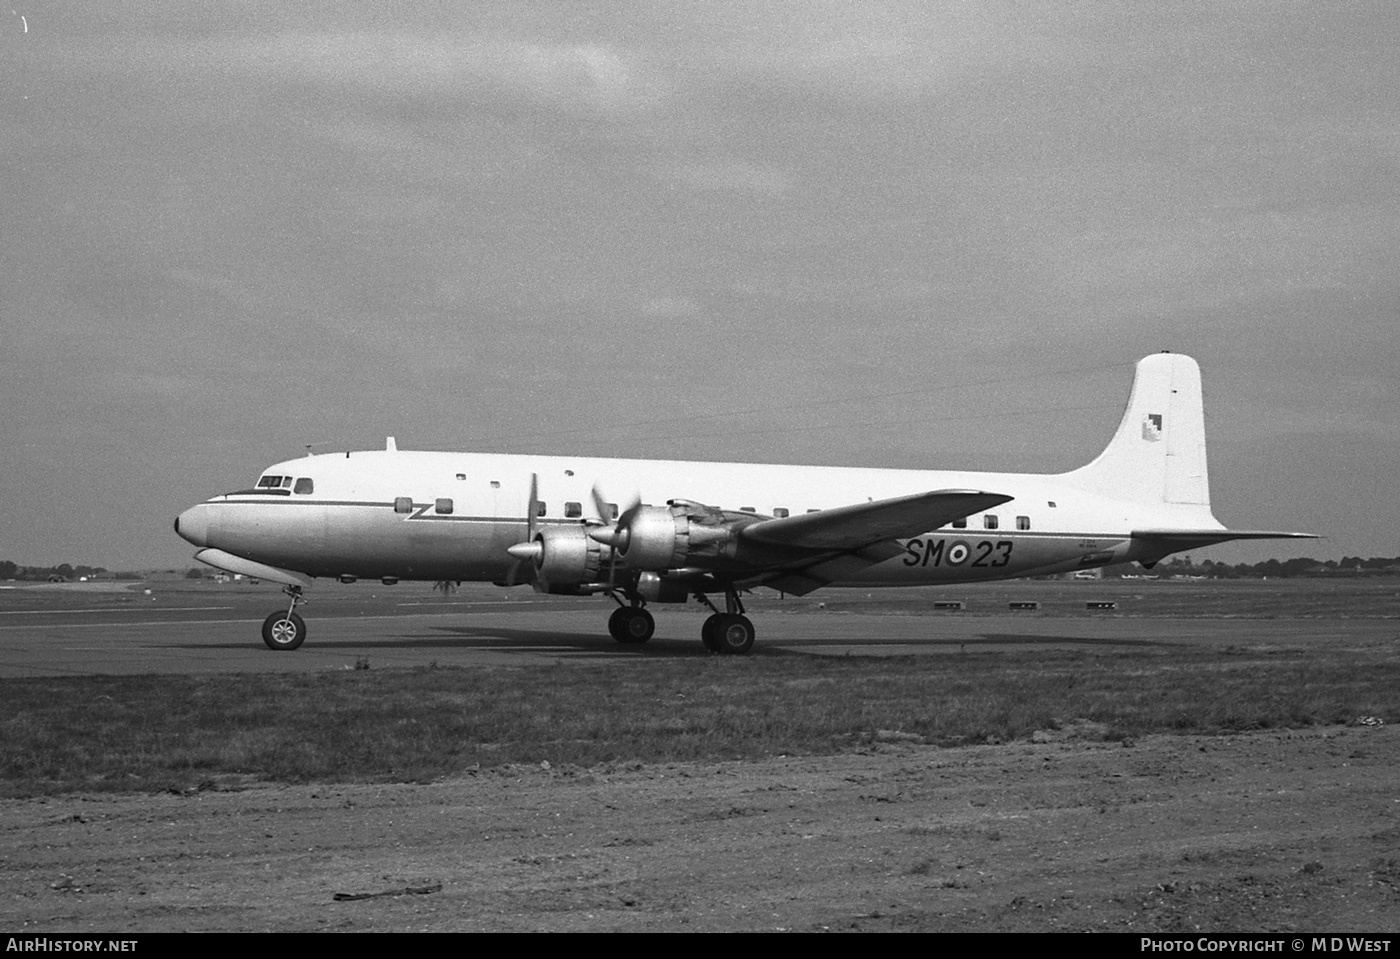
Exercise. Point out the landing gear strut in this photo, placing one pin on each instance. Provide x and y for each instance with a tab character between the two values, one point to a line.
286	630
729	633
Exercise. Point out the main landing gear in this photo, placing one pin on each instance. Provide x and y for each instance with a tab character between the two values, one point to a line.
631	625
729	633
286	630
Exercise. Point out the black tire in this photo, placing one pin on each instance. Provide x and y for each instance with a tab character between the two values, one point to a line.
709	632
734	634
284	631
631	625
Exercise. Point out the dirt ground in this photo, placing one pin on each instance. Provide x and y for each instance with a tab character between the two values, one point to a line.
1272	831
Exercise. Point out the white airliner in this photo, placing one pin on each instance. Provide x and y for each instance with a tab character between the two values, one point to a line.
716	529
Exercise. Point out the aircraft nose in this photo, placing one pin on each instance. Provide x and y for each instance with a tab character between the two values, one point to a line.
193	525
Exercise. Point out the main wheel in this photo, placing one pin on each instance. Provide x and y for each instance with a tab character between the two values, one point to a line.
283	630
734	634
709	632
631	625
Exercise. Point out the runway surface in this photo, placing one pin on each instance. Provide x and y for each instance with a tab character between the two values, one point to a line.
217	634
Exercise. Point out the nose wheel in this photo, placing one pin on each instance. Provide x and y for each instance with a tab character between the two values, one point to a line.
285	630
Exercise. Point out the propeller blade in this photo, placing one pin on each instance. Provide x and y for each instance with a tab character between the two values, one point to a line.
601	505
614	534
630	513
533	509
605	509
528	551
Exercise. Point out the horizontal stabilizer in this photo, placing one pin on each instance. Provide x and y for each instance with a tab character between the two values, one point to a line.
1162	542
1184	538
851	527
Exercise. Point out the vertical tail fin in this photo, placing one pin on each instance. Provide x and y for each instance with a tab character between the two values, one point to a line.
1158	455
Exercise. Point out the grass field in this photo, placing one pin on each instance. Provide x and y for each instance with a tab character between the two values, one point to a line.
175	732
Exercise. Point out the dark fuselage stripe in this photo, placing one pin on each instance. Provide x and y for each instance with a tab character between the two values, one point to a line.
421	513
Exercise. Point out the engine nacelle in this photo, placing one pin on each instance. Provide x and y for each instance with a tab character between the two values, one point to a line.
680	535
567	557
657	538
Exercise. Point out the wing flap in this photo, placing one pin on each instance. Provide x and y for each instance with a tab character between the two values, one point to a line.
801	580
851	527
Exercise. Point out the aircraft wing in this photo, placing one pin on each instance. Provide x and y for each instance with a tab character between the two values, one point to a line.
863	524
834	544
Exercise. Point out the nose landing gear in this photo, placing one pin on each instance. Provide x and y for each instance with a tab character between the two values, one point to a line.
286	630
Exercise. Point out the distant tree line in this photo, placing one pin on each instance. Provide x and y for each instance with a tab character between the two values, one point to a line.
64	571
67	572
1270	568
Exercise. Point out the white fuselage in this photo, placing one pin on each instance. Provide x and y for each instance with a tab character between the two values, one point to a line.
452	516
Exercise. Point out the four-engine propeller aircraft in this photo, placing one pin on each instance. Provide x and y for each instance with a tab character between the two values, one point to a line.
546	520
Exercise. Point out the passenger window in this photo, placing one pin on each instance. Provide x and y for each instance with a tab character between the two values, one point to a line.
304	485
443	507
612	511
780	512
541	509
960	523
989	521
573	510
1023	522
747	509
403	504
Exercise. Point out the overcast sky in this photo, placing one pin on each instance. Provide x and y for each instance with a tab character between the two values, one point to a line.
927	235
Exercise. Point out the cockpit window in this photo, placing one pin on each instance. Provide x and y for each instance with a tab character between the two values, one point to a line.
304	485
274	482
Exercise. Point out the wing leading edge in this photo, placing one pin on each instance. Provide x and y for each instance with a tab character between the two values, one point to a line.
861	524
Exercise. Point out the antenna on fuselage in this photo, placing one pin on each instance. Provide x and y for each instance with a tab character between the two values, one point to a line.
390	446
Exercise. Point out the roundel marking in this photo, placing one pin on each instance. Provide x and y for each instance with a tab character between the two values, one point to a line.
958	553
